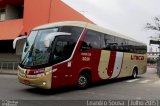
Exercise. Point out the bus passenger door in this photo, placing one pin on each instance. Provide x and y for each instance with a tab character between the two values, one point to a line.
90	52
62	51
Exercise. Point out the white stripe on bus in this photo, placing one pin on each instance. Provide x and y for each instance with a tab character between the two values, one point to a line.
117	64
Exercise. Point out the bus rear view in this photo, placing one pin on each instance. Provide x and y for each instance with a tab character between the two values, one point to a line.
77	53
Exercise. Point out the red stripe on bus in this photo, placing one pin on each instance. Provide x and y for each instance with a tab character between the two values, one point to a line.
111	63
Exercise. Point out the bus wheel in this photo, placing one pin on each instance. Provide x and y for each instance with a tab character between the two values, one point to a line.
83	81
134	73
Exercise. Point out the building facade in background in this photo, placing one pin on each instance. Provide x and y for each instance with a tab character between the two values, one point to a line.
18	17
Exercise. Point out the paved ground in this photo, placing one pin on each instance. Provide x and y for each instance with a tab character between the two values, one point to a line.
8	72
146	86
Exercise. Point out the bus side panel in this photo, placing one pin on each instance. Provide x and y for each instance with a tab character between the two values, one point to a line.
103	64
85	60
88	60
126	66
56	78
132	60
118	64
110	64
65	74
144	68
140	61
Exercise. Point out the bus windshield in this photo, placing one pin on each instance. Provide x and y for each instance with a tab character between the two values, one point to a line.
35	54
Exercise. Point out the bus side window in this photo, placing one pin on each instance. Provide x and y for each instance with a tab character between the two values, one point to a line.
91	40
109	42
130	46
126	48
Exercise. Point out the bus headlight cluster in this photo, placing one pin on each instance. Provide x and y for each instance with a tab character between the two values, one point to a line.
39	75
23	75
31	76
48	72
44	83
35	76
51	71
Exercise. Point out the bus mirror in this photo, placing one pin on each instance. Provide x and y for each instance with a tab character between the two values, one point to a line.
18	39
50	37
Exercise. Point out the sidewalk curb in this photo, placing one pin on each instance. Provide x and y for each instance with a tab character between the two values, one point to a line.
8	73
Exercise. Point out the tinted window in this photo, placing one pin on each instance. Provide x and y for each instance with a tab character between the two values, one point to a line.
103	45
91	40
125	46
62	49
141	49
75	31
63	46
120	44
135	47
97	40
109	42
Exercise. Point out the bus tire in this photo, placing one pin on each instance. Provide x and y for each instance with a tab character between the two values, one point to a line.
83	81
134	73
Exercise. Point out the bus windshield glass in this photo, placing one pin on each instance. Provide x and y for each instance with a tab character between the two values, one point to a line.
35	54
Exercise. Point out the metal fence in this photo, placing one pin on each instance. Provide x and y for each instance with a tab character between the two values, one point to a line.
8	65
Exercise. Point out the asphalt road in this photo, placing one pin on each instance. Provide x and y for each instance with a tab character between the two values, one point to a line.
146	86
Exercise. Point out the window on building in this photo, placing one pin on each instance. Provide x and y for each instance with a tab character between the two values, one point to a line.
11	12
20	10
2	14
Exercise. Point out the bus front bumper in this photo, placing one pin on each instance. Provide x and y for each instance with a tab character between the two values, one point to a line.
42	82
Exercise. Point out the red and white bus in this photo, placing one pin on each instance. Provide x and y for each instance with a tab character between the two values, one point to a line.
78	53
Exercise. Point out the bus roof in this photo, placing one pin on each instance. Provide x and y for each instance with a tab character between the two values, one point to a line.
85	25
